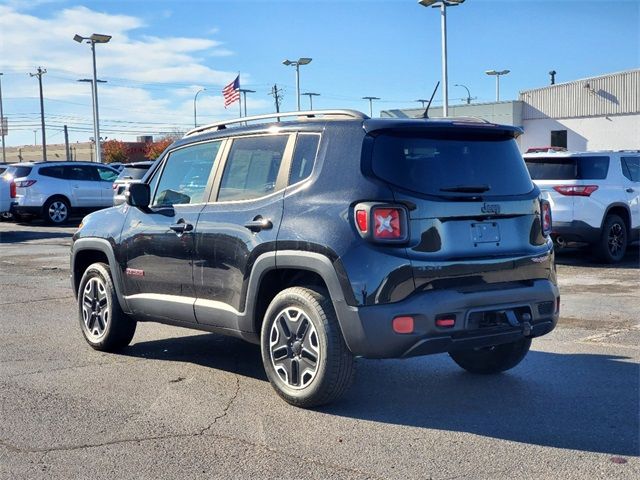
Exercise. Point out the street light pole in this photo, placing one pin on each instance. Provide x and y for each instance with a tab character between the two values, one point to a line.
244	92
443	4
468	93
311	95
297	63
93	39
195	112
371	99
2	127
497	74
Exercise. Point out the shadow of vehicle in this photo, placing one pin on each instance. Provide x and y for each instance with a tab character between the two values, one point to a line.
582	256
584	402
27	235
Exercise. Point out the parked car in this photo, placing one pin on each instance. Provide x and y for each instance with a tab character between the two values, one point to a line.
328	237
5	198
131	172
117	165
594	196
3	167
57	190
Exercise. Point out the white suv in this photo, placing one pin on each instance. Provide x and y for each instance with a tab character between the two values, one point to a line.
594	196
55	190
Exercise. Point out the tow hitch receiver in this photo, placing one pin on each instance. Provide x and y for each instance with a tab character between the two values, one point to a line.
514	322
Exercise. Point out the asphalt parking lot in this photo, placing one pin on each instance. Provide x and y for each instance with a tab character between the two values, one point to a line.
186	404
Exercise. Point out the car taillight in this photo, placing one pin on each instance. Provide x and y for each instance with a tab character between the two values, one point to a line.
25	183
545	213
381	222
576	190
387	223
12	189
114	186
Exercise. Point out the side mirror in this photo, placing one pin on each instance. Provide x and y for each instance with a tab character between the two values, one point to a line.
138	195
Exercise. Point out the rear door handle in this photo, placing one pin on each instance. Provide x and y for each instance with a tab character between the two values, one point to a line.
181	227
630	190
259	223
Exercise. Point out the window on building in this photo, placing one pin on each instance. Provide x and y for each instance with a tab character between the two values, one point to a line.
559	138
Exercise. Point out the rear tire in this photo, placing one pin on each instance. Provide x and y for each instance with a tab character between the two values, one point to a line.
494	359
56	211
612	245
303	351
103	323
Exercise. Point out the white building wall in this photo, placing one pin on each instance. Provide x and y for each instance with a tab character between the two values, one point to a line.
614	132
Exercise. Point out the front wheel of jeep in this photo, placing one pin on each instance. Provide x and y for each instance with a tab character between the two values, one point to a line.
495	359
104	325
303	351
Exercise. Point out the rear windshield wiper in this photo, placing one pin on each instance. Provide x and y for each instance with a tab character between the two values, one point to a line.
467	188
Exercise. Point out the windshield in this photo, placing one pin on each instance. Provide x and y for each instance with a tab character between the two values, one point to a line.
133	172
17	172
456	166
568	168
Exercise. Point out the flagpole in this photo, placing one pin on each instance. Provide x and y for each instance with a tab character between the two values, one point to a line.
239	96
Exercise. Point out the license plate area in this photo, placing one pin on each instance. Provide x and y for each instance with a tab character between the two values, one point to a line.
497	318
485	232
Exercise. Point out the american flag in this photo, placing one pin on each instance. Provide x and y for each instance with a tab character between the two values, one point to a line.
231	92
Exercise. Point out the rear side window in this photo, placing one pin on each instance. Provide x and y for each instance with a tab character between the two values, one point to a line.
18	172
81	173
568	168
133	172
631	168
304	157
252	168
55	172
452	167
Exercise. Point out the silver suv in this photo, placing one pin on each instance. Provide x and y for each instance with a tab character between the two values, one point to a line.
56	190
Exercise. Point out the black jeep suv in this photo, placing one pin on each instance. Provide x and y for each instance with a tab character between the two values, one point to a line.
326	237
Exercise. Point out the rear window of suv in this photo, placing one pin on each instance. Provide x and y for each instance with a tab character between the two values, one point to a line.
568	168
18	172
133	172
488	165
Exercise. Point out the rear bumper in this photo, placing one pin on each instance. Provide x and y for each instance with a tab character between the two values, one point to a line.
576	231
24	210
368	330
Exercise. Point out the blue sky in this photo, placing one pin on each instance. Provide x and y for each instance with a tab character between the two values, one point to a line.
162	52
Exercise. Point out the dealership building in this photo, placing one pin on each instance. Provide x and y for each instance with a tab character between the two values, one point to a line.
598	113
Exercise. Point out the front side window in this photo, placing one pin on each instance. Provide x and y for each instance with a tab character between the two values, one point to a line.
185	175
107	175
252	168
631	168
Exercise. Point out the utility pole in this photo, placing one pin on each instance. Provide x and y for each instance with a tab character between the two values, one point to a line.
2	123
66	143
311	95
39	74
277	96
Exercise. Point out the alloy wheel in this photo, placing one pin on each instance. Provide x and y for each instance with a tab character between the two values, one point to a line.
616	239
294	348
96	311
58	212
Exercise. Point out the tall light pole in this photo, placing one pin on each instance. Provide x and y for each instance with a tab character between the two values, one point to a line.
497	74
297	63
311	95
443	4
195	111
467	89
244	92
2	123
92	40
371	99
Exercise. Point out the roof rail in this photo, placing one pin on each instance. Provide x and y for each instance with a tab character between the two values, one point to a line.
309	114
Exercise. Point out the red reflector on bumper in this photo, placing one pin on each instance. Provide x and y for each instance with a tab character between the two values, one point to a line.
402	324
445	322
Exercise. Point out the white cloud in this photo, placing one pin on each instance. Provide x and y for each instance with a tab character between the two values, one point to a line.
137	67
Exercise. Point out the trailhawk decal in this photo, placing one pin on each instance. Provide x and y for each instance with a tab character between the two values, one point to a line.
134	272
